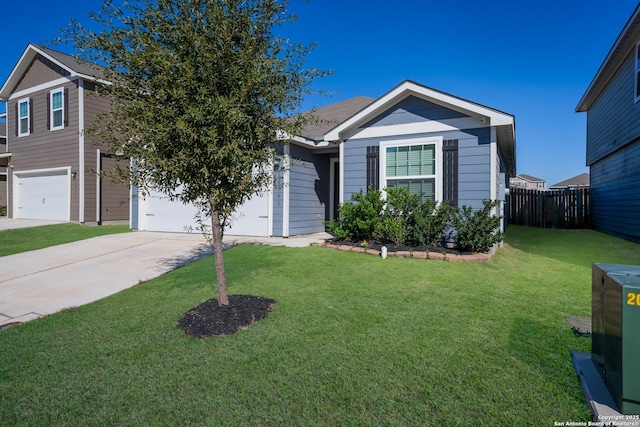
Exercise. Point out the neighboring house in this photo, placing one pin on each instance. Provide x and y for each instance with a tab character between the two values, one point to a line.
528	182
4	158
435	144
50	163
612	104
577	182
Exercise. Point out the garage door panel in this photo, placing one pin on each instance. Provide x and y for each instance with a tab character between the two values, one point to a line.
43	195
162	214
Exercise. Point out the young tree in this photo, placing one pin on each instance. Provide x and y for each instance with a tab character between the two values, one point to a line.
199	89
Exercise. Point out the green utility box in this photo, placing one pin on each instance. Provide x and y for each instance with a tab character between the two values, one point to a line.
615	325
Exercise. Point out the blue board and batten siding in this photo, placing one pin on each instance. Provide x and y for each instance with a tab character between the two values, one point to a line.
413	109
474	175
308	191
474	150
613	154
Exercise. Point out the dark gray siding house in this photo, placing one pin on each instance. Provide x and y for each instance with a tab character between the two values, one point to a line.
465	153
612	104
51	163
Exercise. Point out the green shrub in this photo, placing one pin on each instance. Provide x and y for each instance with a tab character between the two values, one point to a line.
476	230
429	222
360	218
394	225
3	210
403	219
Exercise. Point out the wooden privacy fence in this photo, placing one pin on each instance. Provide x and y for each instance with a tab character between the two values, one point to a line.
550	209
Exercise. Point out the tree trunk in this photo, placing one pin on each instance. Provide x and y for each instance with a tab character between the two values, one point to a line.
216	243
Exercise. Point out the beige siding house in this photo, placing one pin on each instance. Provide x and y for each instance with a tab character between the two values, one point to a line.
50	163
528	182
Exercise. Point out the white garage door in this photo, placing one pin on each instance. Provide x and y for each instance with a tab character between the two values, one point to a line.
43	195
158	213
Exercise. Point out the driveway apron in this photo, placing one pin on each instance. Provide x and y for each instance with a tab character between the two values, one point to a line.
41	282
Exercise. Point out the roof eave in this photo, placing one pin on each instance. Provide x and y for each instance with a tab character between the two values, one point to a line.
23	63
408	87
624	43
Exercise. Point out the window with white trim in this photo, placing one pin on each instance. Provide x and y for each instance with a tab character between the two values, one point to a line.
637	76
414	165
57	109
24	117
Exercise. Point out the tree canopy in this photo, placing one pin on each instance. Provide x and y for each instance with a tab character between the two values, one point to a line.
199	89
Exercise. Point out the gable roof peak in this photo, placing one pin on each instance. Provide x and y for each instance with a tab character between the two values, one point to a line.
75	67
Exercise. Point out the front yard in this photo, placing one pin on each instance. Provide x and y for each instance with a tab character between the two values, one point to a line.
353	340
32	238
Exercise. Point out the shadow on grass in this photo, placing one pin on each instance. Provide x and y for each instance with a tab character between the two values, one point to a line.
578	247
185	258
544	349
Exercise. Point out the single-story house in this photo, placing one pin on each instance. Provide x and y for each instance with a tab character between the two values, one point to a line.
435	144
576	182
612	104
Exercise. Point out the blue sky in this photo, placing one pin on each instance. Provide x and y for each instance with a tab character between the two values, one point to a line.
532	59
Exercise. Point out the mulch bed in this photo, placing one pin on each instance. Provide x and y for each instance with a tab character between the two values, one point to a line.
372	244
212	320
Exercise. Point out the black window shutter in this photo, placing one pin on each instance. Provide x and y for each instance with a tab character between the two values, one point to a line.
17	119
49	111
66	107
30	115
450	172
373	167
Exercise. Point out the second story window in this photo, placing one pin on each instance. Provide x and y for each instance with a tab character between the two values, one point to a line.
24	117
57	109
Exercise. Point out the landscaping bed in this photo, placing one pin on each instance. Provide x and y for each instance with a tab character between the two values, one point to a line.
406	251
210	319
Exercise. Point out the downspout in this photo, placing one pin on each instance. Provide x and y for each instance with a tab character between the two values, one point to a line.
81	199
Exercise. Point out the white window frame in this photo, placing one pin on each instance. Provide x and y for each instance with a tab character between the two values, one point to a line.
52	110
28	117
437	141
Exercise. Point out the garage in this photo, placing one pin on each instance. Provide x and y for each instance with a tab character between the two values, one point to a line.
43	194
158	213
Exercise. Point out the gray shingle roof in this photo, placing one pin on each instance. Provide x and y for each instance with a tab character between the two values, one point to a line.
328	117
581	180
69	61
530	178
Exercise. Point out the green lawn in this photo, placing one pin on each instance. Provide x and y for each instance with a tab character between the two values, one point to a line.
29	239
353	340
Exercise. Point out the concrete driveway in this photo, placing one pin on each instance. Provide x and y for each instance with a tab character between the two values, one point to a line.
45	281
11	223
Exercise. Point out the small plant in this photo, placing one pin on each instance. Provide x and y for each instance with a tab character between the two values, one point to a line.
3	210
477	230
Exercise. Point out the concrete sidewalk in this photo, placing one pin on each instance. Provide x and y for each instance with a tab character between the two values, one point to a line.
45	281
